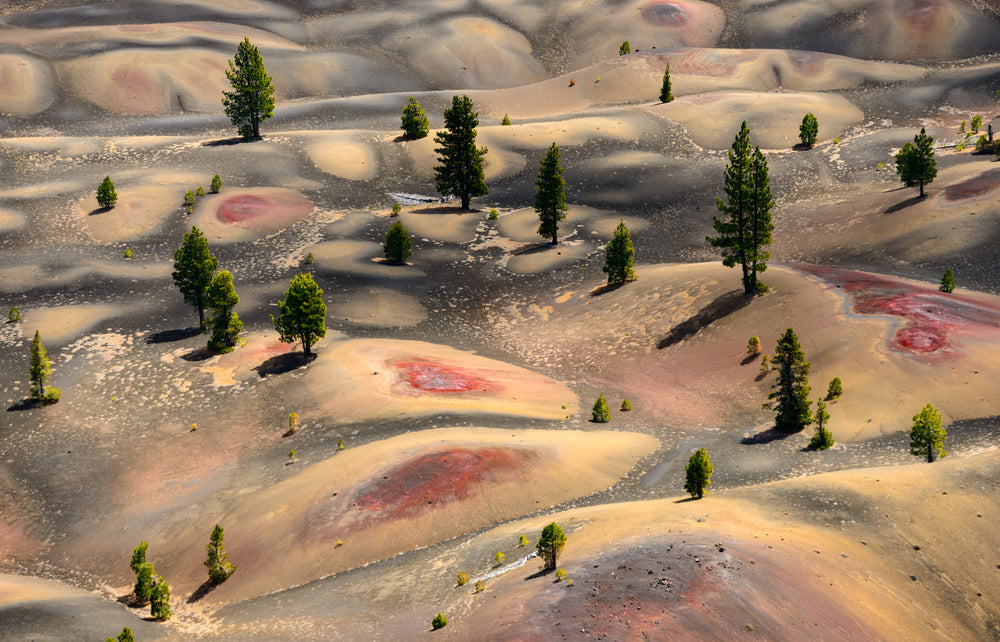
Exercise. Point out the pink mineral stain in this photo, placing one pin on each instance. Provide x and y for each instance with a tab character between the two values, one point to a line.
665	14
929	317
974	187
264	212
428	376
438	478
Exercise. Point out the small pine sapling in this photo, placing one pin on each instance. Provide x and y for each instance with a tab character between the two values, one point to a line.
835	389
340	444
550	545
188	198
494	215
505	121
106	194
397	244
216	185
808	130
292	456
823	439
219	566
310	259
463	578
414	121
38	373
293	423
200	191
522	541
753	347
127	253
439	621
977	123
159	600
947	282
765	366
665	95
125	636
961	128
625	49
626	406
698	474
480	587
499	557
13	315
601	413
561	575
927	435
396	209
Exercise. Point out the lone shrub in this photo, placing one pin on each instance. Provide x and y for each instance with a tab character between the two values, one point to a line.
753	347
982	144
619	256
698	474
823	439
340	444
13	315
961	128
463	578
480	587
505	121
106	194
39	371
835	389
219	566
625	49
310	259
561	575
765	366
626	406
500	557
200	191
188	198
397	244
550	545
439	621
414	121
947	282
927	436
601	413
127	253
808	130
494	215
292	456
522	541
396	209
665	95
293	423
124	636
216	184
977	123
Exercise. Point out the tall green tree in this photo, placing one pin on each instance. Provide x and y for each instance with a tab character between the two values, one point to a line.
40	369
414	121
302	314
221	297
251	101
926	435
791	397
461	170
144	573
915	162
124	636
106	194
665	95
809	130
823	438
619	256
397	246
947	281
698	474
194	266
550	195
159	600
219	566
747	227
550	545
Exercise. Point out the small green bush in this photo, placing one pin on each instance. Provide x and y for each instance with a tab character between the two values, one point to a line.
188	198
625	49
216	184
836	140
880	166
340	444
292	456
765	366
293	423
13	315
439	621
561	575
601	413
396	209
49	397
947	282
494	215
500	557
961	128
835	389
977	123
106	194
959	147
128	253
463	578
200	191
310	259
522	541
982	143
505	121
753	347
480	587
626	406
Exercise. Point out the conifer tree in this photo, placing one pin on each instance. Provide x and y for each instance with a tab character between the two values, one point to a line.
808	130
219	566
665	95
194	266
143	573
397	244
414	121
251	101
221	297
625	49
620	256
927	436
216	185
550	195
600	412
106	194
550	545
461	170
915	162
38	373
124	636
698	474
947	281
159	600
302	314
747	228
823	438
791	398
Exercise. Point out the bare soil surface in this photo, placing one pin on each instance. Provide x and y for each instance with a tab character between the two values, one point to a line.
448	409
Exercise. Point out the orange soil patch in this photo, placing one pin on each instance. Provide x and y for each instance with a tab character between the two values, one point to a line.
378	500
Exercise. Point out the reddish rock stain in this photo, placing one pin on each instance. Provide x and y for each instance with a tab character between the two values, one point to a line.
263	211
428	376
439	478
242	208
665	14
930	317
974	187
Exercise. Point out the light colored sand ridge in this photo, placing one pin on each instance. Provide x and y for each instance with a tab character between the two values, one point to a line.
27	85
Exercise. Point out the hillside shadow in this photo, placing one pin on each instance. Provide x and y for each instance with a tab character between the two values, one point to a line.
206	587
283	363
766	436
721	307
169	336
902	205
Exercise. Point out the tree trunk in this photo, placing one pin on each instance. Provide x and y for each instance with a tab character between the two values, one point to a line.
201	316
555	238
930	453
465	202
256	129
306	348
921	189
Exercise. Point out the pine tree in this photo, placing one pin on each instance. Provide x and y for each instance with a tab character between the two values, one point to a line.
619	256
302	314
665	95
397	244
698	474
221	297
194	266
252	100
39	371
414	121
600	412
747	230
625	49
823	438
106	194
143	573
124	636
915	162
505	121
927	436
550	545
835	389
216	185
461	170
159	600
792	395
219	566
808	130
947	281
550	195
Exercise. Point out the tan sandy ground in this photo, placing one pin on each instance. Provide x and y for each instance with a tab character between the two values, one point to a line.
24	277
360	257
344	154
288	534
27	85
906	552
62	323
380	307
703	382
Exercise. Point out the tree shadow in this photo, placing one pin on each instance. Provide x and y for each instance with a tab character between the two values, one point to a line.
750	358
283	363
206	587
100	210
766	436
902	205
608	287
721	307
169	336
201	354
685	500
222	142
24	404
540	573
448	209
801	147
532	248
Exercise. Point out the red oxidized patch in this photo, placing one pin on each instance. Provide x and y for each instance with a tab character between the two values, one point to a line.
439	478
243	208
974	187
665	14
435	377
